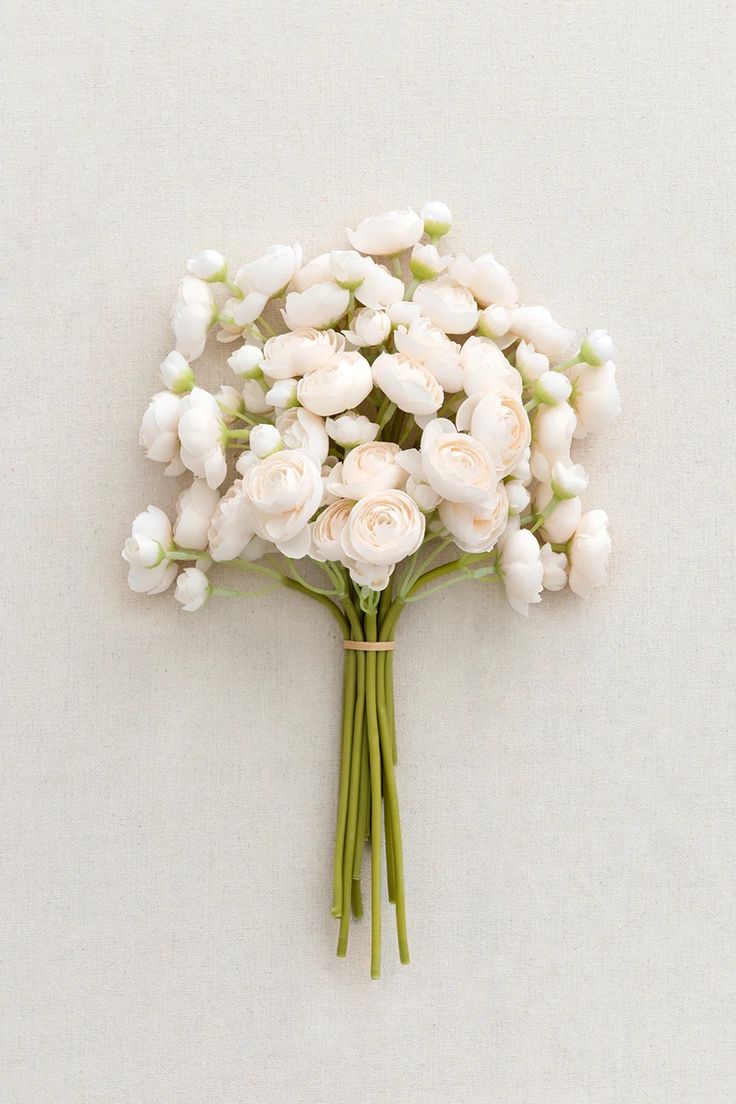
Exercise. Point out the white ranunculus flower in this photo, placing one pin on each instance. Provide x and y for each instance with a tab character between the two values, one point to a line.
597	348
486	369
269	274
520	564
426	262
498	420
519	497
316	271
552	388
529	363
284	490
552	437
194	509
457	466
208	265
303	431
232	525
404	313
149	571
380	290
327	530
387	234
264	440
410	386
568	480
254	400
230	402
236	314
560	524
283	394
427	344
554	566
191	316
348	268
344	382
590	551
486	279
192	589
159	431
202	435
368	327
319	307
247	362
383	529
476	527
369	575
494	322
289	355
367	469
351	429
437	218
416	484
536	324
176	373
450	307
595	399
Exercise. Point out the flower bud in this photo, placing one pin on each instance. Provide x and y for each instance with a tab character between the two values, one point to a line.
437	218
519	496
403	313
192	589
254	398
230	401
568	480
246	362
283	394
368	327
495	321
348	268
597	348
351	429
552	388
554	565
176	373
425	262
264	440
208	265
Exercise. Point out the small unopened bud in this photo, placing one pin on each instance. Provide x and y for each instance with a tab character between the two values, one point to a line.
552	388
597	348
176	373
568	480
437	218
283	394
208	265
246	362
264	440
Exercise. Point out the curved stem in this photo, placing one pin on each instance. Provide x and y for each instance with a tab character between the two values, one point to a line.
374	754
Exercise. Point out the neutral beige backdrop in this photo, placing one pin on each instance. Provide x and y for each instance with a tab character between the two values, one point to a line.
167	781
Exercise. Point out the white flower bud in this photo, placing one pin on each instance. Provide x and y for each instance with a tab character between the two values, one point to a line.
426	263
403	313
192	589
437	218
519	496
264	440
529	363
351	429
568	480
208	265
597	348
349	269
246	362
495	321
254	400
176	373
552	388
554	565
283	394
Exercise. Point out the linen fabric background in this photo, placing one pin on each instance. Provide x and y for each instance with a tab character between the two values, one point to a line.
168	781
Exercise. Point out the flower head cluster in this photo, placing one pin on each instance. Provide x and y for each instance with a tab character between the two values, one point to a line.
387	404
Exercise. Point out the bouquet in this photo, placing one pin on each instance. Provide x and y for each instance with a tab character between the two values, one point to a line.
395	423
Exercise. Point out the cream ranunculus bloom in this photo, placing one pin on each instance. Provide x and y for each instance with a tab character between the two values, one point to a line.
341	384
159	431
367	469
191	316
327	530
487	280
351	429
201	432
552	437
411	386
554	565
304	432
380	290
149	571
486	369
536	325
448	305
476	527
560	524
194	509
192	589
387	234
499	421
590	551
427	344
457	466
269	274
284	490
383	529
290	355
595	398
368	327
232	526
520	565
349	269
320	306
316	271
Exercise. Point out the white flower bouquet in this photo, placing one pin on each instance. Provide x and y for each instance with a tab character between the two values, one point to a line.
394	429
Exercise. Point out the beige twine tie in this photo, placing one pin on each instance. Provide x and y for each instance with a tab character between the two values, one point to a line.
368	645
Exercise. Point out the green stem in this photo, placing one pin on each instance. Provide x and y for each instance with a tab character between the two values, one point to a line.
374	754
355	632
348	712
